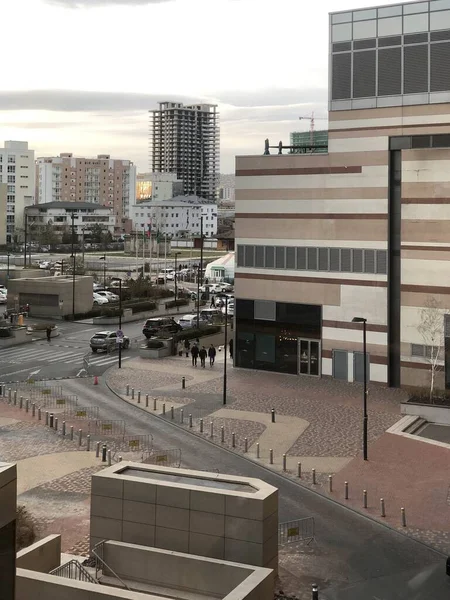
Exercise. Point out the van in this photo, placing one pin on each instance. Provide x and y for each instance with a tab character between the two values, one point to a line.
210	314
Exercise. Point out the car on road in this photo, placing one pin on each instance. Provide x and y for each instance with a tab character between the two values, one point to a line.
108	295
160	326
229	309
107	341
3	298
44	264
3	289
190	321
99	300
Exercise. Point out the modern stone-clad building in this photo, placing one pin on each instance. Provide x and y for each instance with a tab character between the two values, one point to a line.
363	231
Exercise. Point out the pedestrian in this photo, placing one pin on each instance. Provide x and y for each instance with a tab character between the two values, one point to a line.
230	346
180	348
49	332
213	302
187	347
197	341
212	355
203	354
194	354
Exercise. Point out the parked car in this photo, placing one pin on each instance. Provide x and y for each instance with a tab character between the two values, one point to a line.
108	295
209	314
98	287
3	289
3	298
230	309
190	321
99	300
44	264
160	326
107	341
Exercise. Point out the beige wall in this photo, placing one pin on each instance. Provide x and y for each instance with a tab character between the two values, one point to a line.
43	556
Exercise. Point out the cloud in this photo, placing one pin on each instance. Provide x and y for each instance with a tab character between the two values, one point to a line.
96	3
272	97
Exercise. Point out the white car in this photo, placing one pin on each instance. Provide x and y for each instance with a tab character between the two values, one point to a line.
230	309
99	300
3	298
108	295
3	289
97	287
44	264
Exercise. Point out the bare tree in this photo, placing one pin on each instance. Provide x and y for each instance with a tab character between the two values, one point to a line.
431	329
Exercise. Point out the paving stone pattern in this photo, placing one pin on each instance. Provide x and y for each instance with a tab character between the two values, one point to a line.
146	381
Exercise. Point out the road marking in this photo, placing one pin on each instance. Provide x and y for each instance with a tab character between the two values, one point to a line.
106	361
14	372
62	357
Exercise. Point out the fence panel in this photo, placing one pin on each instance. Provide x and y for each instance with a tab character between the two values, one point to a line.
82	413
60	401
299	530
107	427
167	458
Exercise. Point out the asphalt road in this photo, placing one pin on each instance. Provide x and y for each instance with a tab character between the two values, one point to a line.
356	558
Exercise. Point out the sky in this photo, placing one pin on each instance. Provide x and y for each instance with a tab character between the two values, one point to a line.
80	75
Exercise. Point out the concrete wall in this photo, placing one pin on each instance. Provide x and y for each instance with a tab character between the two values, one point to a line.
20	336
433	414
43	556
8	504
237	526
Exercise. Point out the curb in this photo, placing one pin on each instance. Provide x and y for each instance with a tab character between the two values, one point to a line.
276	473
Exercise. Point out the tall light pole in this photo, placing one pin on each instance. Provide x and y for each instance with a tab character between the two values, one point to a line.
25	216
176	278
104	270
365	416
225	348
7	271
120	317
74	259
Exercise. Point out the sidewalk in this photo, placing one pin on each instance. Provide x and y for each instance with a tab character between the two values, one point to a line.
318	424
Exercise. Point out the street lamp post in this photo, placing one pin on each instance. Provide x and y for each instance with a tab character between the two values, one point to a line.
200	272
74	263
365	416
225	354
104	272
176	278
25	216
7	270
120	318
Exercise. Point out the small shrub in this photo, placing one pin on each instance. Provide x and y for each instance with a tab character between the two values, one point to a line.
175	303
25	529
191	334
154	344
5	332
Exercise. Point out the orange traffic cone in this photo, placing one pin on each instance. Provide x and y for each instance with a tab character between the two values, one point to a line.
96	380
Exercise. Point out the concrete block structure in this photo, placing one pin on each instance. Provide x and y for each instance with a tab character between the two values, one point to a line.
8	501
218	516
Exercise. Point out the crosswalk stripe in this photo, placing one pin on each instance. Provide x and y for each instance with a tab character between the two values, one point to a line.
22	355
20	352
62	357
106	361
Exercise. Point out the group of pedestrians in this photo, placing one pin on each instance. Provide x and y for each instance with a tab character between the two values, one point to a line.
201	353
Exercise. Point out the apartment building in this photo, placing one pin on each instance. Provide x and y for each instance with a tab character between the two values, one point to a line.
179	217
86	216
3	204
17	171
186	140
102	180
363	231
157	186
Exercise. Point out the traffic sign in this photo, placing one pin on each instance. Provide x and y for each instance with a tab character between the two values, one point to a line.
119	340
119	333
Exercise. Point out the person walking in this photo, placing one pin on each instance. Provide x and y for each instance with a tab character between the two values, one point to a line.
180	348
187	347
49	333
203	354
212	355
194	354
213	302
230	346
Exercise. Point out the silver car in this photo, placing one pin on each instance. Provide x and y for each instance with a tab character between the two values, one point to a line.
107	341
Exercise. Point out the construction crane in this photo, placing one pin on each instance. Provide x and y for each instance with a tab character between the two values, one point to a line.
312	120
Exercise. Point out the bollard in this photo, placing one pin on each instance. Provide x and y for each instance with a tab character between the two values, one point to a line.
313	472
284	463
364	498
233	440
71	432
128	389
382	507
154	403
403	517
9	396
172	414
330	483
88	442
15	397
273	415
27	405
120	459
222	434
64	428
97	450
183	383
211	429
46	417
104	453
132	393
299	470
164	408
181	416
33	410
21	402
146	400
271	456
139	396
51	421
190	420
56	423
109	458
315	592
80	437
245	445
201	425
39	414
346	490
257	450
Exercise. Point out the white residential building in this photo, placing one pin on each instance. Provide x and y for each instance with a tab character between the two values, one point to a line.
86	216
179	217
17	170
157	186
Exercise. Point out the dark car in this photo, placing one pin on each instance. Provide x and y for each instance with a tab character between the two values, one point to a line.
160	326
107	341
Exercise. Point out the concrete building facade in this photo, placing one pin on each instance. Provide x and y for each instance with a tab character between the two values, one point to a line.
362	231
59	214
186	140
154	187
17	171
3	205
102	180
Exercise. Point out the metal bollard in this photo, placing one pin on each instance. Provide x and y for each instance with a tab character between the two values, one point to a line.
97	450
211	429
284	462
299	470
172	413
190	420
88	442
201	425
132	393
222	434
21	402
33	410
271	456
9	396
313	472
51	421
139	396
154	403
181	416
80	437
364	498
15	397
315	592
39	414
164	409
27	405
273	415
382	507
257	450
46	417
245	445
233	440
120	459
71	432
403	517
346	490
128	389
146	400
104	453
183	383
64	428
330	483
56	423
109	458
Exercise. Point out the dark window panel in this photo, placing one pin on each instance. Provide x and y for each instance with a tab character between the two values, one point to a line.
364	74
364	44
440	141
415	38
280	257
415	78
265	310
440	67
307	316
312	255
290	257
357	260
438	36
342	47
301	259
346	260
259	257
389	71
244	309
421	141
382	262
341	76
240	256
393	40
270	257
335	259
324	260
249	256
369	261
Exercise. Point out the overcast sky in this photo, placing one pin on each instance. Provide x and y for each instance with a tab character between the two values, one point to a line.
80	75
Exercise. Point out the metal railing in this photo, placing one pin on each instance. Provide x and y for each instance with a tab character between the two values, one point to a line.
299	530
168	458
73	570
97	550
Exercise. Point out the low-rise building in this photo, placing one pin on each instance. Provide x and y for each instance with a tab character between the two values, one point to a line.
157	186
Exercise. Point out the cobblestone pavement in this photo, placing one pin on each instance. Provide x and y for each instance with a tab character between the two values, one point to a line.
146	381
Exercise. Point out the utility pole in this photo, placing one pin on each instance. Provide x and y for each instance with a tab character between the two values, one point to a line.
25	216
74	261
225	354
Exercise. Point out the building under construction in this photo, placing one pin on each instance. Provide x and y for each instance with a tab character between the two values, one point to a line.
186	140
306	142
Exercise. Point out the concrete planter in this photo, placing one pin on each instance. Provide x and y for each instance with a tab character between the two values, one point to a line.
429	412
42	333
19	337
145	352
